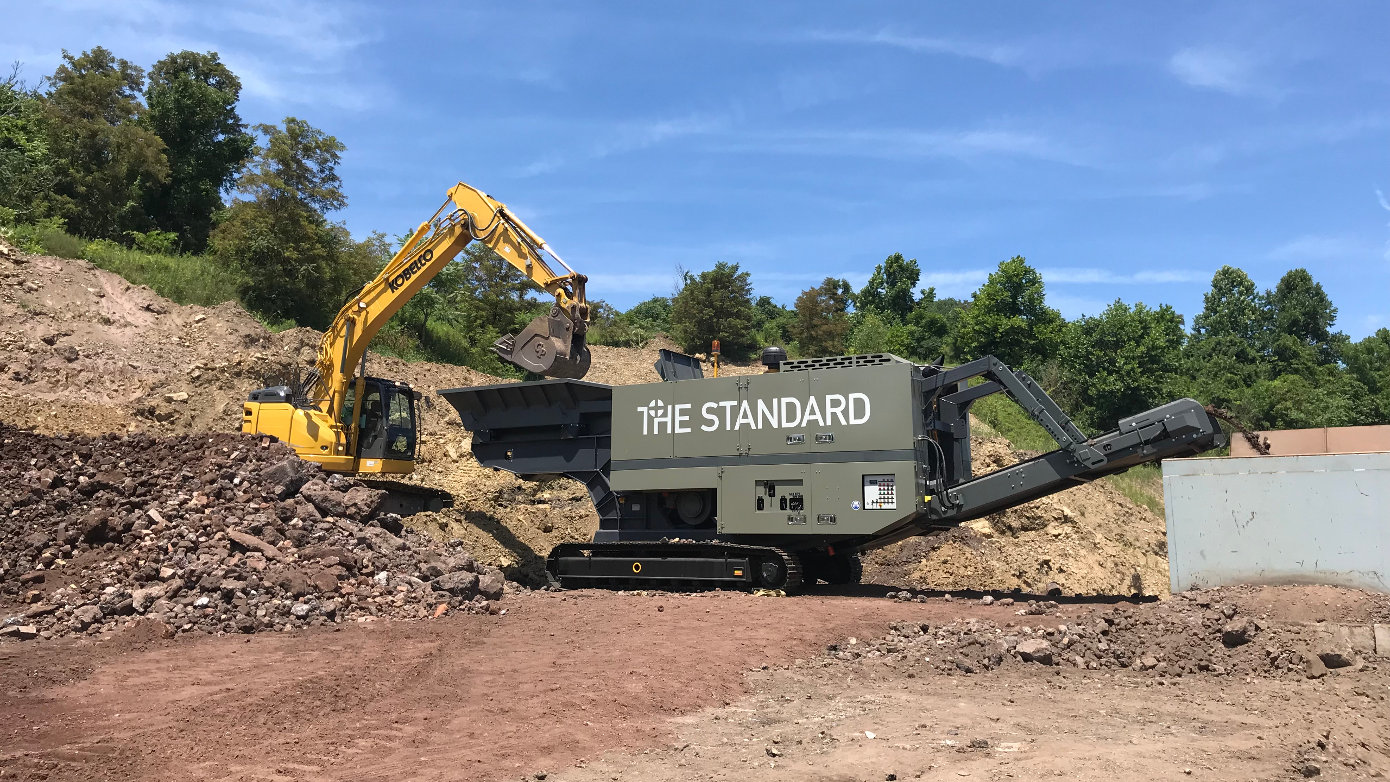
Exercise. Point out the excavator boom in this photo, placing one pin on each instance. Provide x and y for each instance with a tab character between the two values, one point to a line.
469	215
361	424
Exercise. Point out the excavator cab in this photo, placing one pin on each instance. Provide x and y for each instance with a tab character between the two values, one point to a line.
385	423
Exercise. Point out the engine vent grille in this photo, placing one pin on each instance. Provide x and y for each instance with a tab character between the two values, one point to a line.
837	362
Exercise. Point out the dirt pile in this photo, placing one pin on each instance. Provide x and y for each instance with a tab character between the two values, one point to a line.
1196	633
628	366
1089	539
222	533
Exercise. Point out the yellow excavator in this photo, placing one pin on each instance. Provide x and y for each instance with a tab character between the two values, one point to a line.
351	423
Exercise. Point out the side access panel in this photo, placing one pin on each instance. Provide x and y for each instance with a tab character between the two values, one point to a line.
862	411
643	421
862	498
768	415
741	489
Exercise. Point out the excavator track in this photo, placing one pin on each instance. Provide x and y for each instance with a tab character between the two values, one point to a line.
408	499
678	566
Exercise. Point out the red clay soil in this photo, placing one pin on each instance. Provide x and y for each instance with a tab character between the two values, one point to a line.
559	678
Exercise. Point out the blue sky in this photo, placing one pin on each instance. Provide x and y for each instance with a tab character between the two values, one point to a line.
1127	152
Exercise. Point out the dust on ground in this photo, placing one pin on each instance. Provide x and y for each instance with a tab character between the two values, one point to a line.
591	685
915	704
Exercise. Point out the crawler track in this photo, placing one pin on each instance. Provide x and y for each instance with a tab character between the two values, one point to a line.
674	566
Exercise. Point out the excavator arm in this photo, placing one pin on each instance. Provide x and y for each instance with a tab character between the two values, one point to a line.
552	345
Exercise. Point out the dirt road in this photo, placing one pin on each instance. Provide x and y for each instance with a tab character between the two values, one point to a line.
558	678
659	687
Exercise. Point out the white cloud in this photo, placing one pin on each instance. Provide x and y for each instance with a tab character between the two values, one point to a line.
1096	276
924	44
958	283
1313	247
286	54
898	144
628	136
1073	307
1386	206
1224	70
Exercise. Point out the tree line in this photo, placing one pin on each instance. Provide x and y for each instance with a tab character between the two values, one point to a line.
157	176
1272	357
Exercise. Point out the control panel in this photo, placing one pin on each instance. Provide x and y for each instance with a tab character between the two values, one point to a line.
880	493
779	496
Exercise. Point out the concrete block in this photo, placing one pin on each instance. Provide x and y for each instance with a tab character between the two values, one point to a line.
1382	635
1278	520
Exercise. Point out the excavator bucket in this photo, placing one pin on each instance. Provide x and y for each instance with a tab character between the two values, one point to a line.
550	346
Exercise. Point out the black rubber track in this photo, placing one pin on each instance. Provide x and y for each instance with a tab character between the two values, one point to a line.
791	565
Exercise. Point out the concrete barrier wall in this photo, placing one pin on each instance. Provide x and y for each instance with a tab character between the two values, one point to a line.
1279	520
1301	442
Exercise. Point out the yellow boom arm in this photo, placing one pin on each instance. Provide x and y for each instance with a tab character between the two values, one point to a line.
551	345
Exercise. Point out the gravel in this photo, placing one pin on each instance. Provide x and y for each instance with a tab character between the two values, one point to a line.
222	533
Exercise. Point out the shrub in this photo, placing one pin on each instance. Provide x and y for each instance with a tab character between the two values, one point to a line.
45	237
155	242
186	279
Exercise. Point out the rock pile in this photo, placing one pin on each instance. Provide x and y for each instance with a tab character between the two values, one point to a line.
221	533
1195	634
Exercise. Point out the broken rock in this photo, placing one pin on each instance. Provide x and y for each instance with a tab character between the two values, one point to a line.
86	616
1035	650
1336	658
357	503
460	584
19	632
287	476
1237	632
253	543
490	584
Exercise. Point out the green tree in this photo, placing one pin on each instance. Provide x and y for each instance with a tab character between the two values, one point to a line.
822	323
1332	398
1368	361
889	289
652	316
1121	362
1227	353
930	325
1219	370
1008	318
504	300
715	304
1302	315
296	263
296	165
1232	308
191	100
772	322
26	168
105	160
445	301
872	334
